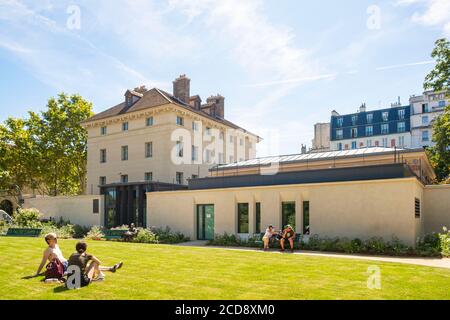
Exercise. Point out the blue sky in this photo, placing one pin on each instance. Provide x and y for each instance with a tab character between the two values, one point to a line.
281	65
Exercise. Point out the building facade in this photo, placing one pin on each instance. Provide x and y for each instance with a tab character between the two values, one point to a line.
155	141
424	110
390	127
321	141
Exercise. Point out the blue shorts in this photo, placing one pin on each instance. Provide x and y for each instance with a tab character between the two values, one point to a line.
65	265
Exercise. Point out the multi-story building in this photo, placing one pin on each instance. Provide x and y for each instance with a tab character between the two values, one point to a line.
388	127
321	141
424	110
154	140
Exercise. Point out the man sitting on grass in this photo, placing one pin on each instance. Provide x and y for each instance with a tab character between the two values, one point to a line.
288	234
89	265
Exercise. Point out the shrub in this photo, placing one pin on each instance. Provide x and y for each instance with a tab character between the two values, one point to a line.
444	238
4	226
145	236
122	227
95	233
80	231
27	218
375	245
166	236
64	232
226	240
429	245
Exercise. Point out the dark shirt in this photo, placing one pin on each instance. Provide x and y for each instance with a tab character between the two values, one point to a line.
80	260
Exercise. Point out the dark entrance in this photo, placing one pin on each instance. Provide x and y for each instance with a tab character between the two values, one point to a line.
205	221
126	203
7	206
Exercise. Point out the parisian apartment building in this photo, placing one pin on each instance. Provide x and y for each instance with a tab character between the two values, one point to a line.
398	126
155	136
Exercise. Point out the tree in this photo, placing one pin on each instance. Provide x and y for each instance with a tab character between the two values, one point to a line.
47	151
439	80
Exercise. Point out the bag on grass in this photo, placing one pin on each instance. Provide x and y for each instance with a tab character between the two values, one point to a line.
55	269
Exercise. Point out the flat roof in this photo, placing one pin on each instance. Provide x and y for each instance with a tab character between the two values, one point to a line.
306	157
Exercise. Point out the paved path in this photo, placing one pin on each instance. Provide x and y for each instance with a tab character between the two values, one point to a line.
423	261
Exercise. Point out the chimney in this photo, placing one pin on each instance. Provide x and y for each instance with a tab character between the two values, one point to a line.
181	88
362	108
334	113
195	102
219	101
141	89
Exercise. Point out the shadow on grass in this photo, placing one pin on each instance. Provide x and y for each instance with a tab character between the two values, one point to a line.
60	289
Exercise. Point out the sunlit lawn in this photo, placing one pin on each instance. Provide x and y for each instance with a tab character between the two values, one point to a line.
173	272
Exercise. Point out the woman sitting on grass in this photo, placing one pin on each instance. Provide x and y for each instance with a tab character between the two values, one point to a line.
90	266
52	252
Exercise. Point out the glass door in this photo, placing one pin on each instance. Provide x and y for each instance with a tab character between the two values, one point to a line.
205	222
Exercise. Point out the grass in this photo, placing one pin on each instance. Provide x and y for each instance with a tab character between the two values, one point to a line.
173	272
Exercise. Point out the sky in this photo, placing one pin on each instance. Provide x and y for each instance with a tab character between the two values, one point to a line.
282	65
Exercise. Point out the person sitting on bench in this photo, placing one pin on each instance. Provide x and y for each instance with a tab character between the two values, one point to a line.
130	234
267	236
52	252
288	234
89	265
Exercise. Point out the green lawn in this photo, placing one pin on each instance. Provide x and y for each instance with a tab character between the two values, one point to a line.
171	272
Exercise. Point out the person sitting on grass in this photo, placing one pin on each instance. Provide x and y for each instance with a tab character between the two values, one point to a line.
267	236
288	234
52	252
130	234
90	266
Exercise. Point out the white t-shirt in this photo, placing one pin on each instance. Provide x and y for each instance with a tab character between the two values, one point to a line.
56	251
268	233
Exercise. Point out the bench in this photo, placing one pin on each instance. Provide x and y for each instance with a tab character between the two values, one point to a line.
23	232
116	234
259	237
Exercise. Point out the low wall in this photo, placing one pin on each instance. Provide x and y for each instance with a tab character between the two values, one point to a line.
78	209
358	209
437	208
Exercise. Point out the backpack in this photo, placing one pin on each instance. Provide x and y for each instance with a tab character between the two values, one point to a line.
55	270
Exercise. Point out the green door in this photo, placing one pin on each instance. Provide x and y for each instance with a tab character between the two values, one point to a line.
205	222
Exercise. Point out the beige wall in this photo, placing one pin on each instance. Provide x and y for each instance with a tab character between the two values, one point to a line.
347	209
163	134
437	208
79	209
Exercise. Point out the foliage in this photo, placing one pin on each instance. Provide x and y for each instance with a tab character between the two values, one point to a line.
166	236
444	238
439	80
80	231
145	236
96	233
64	232
226	240
122	227
27	218
4	226
428	245
47	151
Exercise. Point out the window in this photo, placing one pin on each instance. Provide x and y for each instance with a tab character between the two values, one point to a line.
102	181
401	114
231	159
149	122
377	143
194	151
369	131
369	117
339	134
425	120
220	157
441	104
242	217
425	136
231	139
392	143
124	153
148	176
180	121
179	177
369	143
195	125
384	142
124	178
179	149
208	156
401	141
103	156
416	207
258	217
401	126
354	120
385	116
103	131
340	121
149	149
241	142
125	126
95	206
339	146
354	145
424	107
288	214
306	217
384	128
354	132
221	135
208	131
